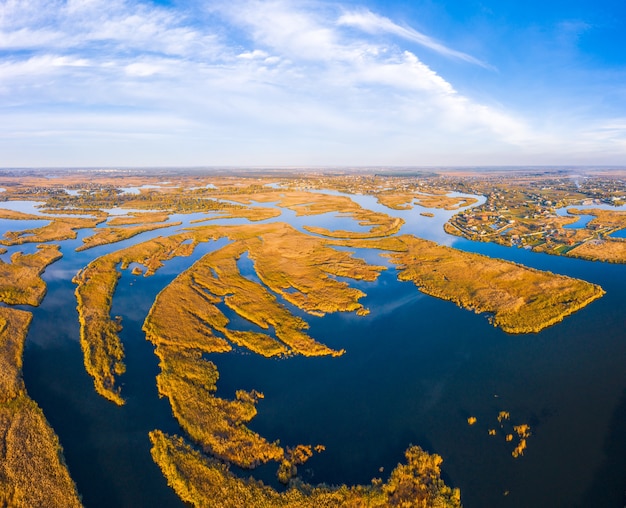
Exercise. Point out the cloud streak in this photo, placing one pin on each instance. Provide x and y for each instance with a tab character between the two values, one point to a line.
374	24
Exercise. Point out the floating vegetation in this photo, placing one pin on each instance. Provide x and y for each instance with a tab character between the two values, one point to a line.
519	449
522	431
503	415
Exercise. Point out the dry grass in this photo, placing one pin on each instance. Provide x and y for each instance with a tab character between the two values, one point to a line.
185	322
311	203
32	470
609	219
102	349
289	263
20	280
13	329
521	299
137	218
14	215
602	247
251	213
259	343
58	229
192	297
607	250
406	200
104	236
215	423
205	482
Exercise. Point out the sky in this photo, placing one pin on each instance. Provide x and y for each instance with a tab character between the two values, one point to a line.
312	83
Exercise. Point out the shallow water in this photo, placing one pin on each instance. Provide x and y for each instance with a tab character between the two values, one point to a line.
414	370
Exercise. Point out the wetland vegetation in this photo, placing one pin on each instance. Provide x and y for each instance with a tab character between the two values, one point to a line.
20	280
258	288
32	469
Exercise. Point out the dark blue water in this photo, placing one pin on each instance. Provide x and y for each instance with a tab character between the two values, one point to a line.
414	370
580	223
621	233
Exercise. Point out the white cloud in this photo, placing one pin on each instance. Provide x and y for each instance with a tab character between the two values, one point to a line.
374	24
241	81
253	55
142	69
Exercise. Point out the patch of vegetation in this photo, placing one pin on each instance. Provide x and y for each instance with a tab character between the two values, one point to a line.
20	280
104	236
215	423
405	200
59	228
205	482
102	349
32	469
520	299
312	203
138	218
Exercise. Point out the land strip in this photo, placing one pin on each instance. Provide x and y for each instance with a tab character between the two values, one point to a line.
520	299
205	482
32	469
104	236
20	280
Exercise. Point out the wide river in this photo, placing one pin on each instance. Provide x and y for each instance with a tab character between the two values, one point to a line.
414	370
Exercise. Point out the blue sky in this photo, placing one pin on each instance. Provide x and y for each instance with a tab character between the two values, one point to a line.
312	83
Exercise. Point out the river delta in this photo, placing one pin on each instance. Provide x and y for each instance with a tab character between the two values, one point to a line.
347	338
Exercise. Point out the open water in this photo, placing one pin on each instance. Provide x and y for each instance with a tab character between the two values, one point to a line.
415	369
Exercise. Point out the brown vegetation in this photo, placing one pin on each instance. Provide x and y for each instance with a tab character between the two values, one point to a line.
59	228
205	482
520	299
102	348
137	218
254	214
32	470
20	280
15	215
311	203
185	322
405	200
14	325
217	424
292	264
105	236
